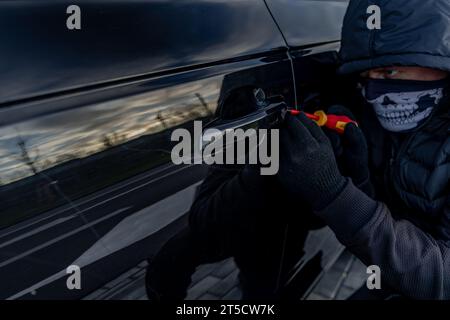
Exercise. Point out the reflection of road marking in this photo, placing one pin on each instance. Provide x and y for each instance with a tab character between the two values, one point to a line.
131	229
37	230
36	286
88	200
66	235
140	225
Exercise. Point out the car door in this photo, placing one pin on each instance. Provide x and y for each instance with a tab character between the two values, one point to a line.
312	30
86	116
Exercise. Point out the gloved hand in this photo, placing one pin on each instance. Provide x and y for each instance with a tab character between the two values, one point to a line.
350	149
308	167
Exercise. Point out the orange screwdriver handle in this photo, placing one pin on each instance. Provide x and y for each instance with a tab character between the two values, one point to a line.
338	123
331	121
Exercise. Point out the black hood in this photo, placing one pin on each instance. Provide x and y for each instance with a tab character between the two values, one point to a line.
413	33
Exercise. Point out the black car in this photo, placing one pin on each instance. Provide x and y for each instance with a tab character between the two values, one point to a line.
86	115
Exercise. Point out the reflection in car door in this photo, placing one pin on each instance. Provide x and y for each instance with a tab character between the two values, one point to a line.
85	126
313	49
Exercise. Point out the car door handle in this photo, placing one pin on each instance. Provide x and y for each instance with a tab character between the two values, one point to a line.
266	117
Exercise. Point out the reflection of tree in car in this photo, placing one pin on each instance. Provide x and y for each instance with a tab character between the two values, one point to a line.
29	160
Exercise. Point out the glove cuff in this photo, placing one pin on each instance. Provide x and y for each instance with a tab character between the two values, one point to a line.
349	212
329	185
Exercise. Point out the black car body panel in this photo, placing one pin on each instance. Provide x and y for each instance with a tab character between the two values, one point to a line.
309	22
86	117
119	40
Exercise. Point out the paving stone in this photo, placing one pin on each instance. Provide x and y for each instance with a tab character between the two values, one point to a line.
344	293
315	296
122	278
208	296
134	293
357	276
223	287
201	287
120	292
117	292
224	269
220	281
331	251
96	295
358	266
139	274
201	272
234	294
344	262
329	284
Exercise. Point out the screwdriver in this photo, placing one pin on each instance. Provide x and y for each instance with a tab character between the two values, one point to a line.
330	121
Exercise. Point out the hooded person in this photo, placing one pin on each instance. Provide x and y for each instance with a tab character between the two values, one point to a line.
401	150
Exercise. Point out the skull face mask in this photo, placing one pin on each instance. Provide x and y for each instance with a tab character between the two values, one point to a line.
402	105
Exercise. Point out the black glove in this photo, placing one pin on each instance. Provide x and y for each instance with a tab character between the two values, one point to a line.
308	167
351	151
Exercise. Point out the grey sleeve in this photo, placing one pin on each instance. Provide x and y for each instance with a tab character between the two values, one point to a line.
411	260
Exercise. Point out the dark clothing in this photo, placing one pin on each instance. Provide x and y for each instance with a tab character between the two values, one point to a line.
169	273
246	213
410	171
413	33
407	235
246	216
237	213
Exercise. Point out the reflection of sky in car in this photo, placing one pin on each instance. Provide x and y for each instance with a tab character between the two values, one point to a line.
78	133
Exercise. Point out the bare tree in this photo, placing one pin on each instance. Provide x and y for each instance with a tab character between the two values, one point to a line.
161	118
113	139
26	157
203	103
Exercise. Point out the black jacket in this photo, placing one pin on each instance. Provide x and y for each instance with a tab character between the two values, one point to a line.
239	213
245	215
405	231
